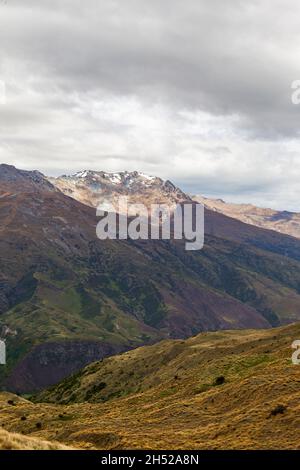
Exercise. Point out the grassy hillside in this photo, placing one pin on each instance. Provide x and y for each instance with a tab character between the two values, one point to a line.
74	299
230	389
14	441
17	441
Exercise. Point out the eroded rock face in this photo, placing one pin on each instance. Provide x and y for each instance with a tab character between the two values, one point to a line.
49	363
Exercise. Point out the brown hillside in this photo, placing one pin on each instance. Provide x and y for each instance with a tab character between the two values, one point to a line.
224	390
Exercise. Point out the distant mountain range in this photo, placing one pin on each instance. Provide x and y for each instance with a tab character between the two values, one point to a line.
95	187
74	299
282	221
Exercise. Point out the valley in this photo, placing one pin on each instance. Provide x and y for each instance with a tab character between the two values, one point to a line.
73	298
216	390
149	232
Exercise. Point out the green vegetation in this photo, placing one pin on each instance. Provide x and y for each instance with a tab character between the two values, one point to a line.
60	284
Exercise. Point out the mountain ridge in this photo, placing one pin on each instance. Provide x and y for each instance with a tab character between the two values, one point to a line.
66	292
95	187
216	390
285	222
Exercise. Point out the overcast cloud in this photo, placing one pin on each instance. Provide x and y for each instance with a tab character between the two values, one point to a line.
196	91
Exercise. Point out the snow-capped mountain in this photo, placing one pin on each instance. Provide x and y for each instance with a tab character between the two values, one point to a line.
97	187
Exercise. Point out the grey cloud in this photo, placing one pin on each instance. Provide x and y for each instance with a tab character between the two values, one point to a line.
67	62
222	57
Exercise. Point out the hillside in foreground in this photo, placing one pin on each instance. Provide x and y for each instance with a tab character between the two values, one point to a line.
14	441
222	390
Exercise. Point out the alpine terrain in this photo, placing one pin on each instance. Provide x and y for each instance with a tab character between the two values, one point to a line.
73	299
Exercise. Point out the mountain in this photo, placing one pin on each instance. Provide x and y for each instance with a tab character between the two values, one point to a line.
282	221
217	390
74	299
51	290
96	187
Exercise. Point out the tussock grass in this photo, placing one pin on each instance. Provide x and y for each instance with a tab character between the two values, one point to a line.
224	390
14	441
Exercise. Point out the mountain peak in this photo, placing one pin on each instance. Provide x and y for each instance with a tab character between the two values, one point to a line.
115	177
23	179
93	187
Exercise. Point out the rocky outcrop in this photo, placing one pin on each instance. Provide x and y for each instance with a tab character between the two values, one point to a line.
96	188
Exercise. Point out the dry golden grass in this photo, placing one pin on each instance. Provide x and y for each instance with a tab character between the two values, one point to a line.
14	441
167	396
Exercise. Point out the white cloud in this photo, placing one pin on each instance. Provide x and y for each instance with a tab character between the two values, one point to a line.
196	91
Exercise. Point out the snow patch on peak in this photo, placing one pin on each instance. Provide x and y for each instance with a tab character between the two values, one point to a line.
81	174
147	177
128	178
138	178
115	177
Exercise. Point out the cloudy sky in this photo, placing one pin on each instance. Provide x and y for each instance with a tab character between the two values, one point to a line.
196	91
